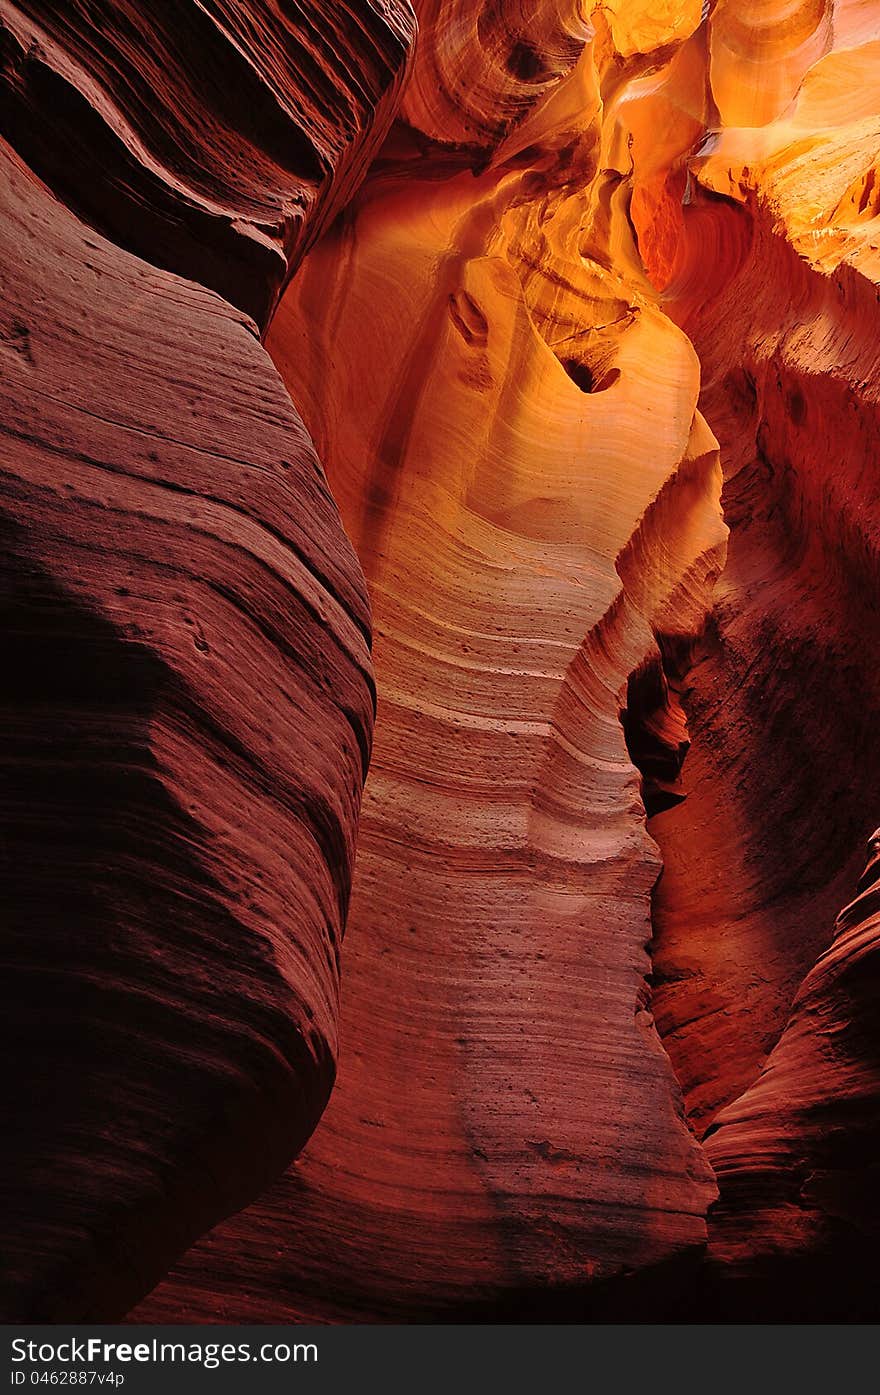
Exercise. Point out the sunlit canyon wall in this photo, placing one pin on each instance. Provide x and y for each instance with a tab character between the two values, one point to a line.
580	338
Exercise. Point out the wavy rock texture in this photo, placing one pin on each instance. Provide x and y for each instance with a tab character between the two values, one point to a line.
590	360
188	696
480	70
214	137
763	238
187	716
791	389
796	1155
515	448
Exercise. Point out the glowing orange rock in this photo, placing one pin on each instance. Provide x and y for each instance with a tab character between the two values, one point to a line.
609	290
509	427
506	413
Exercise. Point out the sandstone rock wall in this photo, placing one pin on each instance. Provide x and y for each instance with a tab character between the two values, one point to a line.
188	695
589	357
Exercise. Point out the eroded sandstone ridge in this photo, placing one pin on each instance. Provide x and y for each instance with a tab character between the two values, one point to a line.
188	693
216	138
590	361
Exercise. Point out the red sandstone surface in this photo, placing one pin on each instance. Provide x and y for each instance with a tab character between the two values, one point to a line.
557	455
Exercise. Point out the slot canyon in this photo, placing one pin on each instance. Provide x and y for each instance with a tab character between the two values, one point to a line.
440	735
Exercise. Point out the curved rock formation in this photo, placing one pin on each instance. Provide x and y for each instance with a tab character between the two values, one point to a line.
480	70
590	360
187	717
188	695
514	445
214	137
789	366
796	1154
782	699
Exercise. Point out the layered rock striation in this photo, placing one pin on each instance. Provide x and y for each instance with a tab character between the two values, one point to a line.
215	139
589	360
188	697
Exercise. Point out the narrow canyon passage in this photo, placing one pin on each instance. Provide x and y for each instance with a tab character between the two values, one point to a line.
529	535
515	365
